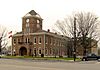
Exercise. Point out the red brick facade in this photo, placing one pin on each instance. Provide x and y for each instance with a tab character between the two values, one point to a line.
35	41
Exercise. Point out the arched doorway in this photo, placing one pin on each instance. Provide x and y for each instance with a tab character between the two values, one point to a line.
23	51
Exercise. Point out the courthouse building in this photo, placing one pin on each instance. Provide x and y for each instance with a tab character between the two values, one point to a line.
33	41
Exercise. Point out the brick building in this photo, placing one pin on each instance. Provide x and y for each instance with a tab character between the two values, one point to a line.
35	41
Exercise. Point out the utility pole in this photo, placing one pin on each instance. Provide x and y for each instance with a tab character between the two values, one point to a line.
74	53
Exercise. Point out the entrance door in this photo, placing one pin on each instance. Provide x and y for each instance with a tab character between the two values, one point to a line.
23	51
35	53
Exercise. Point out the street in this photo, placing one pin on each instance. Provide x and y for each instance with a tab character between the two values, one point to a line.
20	64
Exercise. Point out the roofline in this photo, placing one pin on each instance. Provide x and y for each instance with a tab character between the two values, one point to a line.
42	33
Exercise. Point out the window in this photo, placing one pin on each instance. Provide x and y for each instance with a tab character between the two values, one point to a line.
26	40
38	21
27	20
40	51
58	42
27	24
50	51
46	51
38	25
46	40
14	41
35	51
40	40
54	51
50	41
54	41
27	29
18	40
34	40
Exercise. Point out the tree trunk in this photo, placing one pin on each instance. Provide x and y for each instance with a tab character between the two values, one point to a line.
84	52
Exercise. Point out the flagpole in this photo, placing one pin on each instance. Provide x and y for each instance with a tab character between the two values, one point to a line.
10	36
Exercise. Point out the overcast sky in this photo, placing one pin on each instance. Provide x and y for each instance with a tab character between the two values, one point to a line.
12	11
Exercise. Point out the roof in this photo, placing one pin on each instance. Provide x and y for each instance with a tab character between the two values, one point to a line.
32	13
41	32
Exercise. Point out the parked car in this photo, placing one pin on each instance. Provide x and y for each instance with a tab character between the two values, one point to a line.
91	56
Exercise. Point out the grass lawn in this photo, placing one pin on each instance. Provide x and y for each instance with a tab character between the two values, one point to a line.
39	58
21	57
53	58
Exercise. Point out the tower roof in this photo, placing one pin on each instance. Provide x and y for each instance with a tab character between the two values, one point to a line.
32	13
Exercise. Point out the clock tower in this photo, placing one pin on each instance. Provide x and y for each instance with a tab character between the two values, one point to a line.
31	22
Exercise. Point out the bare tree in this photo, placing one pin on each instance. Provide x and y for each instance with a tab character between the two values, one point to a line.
86	28
62	28
3	38
87	25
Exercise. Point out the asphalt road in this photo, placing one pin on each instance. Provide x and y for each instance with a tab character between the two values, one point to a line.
18	64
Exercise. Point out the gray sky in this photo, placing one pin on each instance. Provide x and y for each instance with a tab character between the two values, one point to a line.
12	11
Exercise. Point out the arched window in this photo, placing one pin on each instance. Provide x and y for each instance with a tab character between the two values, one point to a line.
39	51
38	21
34	40
40	40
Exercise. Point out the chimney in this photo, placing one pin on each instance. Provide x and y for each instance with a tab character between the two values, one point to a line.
55	33
62	35
48	30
